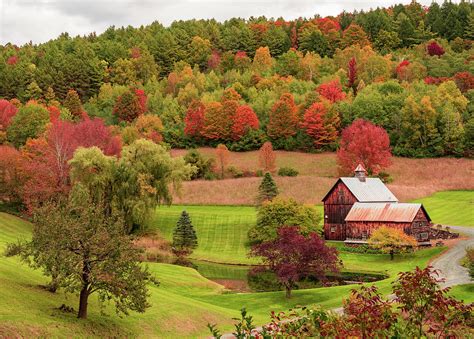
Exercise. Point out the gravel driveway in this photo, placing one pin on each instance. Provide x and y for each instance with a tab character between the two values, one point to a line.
449	262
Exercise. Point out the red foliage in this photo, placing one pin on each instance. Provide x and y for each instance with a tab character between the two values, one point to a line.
317	126
244	120
54	113
328	25
332	91
194	119
214	60
46	159
292	256
13	60
400	70
435	81
366	314
294	38
352	74
218	119
283	119
425	305
464	81
7	112
434	48
142	100
364	143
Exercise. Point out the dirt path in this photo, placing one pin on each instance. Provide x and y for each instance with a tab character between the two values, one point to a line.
449	262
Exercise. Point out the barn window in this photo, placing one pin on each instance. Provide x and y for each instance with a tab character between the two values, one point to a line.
333	229
424	236
340	193
364	234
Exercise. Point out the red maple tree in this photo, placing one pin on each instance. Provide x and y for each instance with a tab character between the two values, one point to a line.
352	74
293	256
244	120
320	125
332	91
194	119
364	143
434	48
7	111
464	81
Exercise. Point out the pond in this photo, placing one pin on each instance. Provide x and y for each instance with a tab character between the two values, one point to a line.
239	278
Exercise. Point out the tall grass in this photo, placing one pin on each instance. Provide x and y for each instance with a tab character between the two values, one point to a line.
412	178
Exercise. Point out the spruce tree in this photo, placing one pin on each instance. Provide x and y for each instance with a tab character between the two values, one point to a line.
267	189
184	237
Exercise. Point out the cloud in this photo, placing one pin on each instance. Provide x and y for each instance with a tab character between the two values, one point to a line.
42	20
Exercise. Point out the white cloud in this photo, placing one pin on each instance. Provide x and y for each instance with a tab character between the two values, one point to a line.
42	20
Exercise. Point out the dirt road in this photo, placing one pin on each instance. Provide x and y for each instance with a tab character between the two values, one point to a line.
449	263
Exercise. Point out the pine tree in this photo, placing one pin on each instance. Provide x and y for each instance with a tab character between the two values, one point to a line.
73	104
184	237
469	29
267	189
33	91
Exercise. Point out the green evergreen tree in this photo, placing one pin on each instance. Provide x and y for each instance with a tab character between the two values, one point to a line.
33	91
267	189
469	29
184	237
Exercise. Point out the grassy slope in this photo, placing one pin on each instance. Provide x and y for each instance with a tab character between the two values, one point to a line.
28	310
455	208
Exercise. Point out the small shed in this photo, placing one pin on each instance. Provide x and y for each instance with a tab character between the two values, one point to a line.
364	218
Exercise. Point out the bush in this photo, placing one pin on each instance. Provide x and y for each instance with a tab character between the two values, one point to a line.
385	177
470	260
204	166
235	172
251	141
287	172
283	212
360	249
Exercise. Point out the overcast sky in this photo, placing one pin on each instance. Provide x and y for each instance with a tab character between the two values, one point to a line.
42	20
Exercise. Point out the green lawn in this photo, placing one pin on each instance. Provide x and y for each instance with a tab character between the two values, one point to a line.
221	230
181	306
454	208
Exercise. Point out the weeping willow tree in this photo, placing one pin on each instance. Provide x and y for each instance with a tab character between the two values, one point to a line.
135	184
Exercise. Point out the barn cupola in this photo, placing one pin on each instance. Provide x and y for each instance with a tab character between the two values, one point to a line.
360	173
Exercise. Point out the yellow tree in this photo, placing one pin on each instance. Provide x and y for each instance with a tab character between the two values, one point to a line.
391	240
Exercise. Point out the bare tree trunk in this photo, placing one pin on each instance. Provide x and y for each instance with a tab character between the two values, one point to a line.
83	303
288	291
391	254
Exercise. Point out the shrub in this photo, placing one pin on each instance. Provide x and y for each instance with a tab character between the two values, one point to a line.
385	177
235	172
470	260
204	166
280	212
287	172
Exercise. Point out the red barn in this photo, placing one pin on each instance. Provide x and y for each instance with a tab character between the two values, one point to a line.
355	206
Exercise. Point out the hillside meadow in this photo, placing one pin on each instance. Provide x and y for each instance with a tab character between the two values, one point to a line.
412	178
30	311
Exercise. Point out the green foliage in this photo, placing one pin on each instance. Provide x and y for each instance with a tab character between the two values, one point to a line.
29	122
283	212
134	184
287	172
267	189
203	166
78	247
184	236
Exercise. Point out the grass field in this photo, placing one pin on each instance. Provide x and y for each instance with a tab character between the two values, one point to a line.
455	208
181	306
412	178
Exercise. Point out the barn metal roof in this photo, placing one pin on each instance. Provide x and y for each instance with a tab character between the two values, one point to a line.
388	212
370	190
